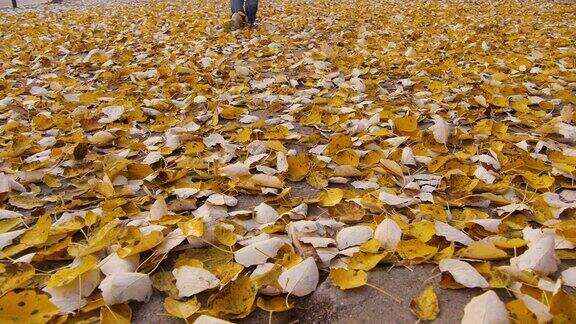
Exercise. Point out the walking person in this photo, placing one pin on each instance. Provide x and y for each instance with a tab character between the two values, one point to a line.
243	11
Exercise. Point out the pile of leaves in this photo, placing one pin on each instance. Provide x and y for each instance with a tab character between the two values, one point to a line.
146	146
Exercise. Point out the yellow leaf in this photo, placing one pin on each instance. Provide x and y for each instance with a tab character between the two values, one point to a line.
8	224
563	305
422	230
68	226
26	307
224	234
103	237
415	250
346	157
365	261
232	112
347	211
317	180
194	147
181	309
425	306
192	227
520	313
330	197
25	202
16	275
274	304
445	253
483	251
433	211
338	142
235	300
536	181
38	233
67	275
139	171
116	314
140	243
371	246
298	166
228	272
276	132
348	279
164	281
406	125
499	101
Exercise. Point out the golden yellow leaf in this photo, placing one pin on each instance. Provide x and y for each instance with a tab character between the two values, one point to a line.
338	142
406	125
140	243
347	211
482	251
16	275
365	261
330	197
348	279
165	281
415	250
520	313
181	309
346	157
192	227
298	166
38	233
116	314
26	307
425	305
234	300
224	234
228	272
103	237
274	304
66	275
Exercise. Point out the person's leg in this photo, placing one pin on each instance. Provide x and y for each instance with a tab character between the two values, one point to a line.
237	6
251	9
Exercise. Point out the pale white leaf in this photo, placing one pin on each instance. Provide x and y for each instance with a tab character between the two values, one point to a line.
158	209
235	170
206	319
221	199
122	287
265	214
569	277
452	234
388	233
114	264
301	279
463	273
6	214
6	238
258	252
440	130
484	175
193	280
485	309
353	235
540	257
113	113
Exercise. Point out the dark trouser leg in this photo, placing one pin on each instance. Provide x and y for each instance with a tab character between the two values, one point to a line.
237	5
251	9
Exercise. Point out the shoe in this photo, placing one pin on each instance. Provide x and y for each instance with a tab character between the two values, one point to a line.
237	20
